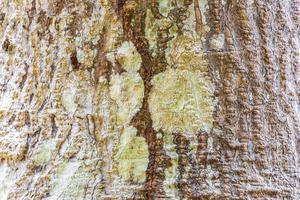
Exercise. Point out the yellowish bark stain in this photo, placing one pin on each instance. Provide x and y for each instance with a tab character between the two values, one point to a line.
182	98
132	156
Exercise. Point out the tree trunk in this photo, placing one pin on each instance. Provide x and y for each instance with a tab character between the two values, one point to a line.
133	99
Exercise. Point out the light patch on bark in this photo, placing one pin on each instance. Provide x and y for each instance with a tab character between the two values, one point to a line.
151	31
172	172
217	42
165	6
181	101
128	57
7	179
127	91
68	100
63	178
132	156
43	152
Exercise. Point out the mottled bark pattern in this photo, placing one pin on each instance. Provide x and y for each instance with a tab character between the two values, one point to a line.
134	99
257	79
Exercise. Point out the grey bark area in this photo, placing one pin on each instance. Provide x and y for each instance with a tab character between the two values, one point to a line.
137	99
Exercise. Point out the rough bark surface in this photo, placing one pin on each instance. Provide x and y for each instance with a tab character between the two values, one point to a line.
135	99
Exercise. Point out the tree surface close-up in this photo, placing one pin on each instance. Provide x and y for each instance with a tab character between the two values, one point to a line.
149	99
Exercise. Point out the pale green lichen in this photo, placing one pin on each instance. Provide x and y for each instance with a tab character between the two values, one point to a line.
164	7
70	180
132	156
128	57
151	31
43	152
181	100
127	91
171	173
68	100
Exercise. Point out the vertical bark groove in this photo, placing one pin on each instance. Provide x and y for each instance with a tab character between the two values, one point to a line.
95	97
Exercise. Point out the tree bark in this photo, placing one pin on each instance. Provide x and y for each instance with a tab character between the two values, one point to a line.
134	99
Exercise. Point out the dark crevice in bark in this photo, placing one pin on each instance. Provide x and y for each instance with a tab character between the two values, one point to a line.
182	149
179	14
8	46
163	38
44	22
11	119
54	127
52	71
27	119
201	158
74	61
42	106
198	17
32	12
57	6
133	21
2	17
102	67
24	78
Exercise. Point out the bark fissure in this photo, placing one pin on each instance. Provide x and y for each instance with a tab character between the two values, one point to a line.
133	20
134	99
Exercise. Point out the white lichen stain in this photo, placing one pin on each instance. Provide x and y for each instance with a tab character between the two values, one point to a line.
7	178
43	153
63	178
68	99
151	28
128	57
217	42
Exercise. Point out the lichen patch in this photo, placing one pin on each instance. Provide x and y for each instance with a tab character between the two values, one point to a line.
127	91
132	156
43	153
128	57
181	100
68	100
151	29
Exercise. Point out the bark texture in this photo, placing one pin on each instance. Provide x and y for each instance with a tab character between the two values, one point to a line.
135	99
